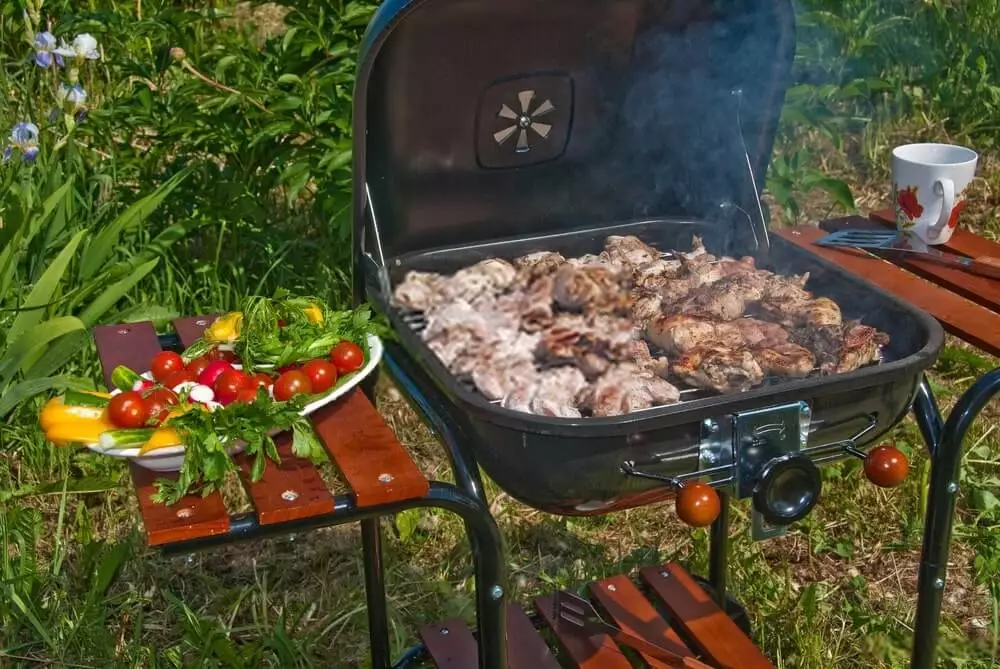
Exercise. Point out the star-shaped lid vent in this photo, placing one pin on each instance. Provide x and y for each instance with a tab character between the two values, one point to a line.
524	121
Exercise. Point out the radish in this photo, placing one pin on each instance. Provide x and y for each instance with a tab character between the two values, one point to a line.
184	387
212	372
201	394
141	385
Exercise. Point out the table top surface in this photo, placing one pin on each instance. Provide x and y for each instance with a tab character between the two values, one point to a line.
369	459
967	305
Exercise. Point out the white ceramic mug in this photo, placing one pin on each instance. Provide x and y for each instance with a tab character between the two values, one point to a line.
928	182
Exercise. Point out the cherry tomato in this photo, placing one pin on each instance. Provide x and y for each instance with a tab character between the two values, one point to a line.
158	403
291	384
347	356
886	466
322	375
128	409
166	363
212	372
229	383
261	380
198	365
177	378
287	368
246	395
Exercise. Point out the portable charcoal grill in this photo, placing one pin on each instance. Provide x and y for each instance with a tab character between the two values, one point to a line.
486	129
483	133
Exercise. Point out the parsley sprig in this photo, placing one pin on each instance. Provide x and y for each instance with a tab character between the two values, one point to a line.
208	435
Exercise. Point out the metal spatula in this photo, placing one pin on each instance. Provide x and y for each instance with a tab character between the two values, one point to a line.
907	243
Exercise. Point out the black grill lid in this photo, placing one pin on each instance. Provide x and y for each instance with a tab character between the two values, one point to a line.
478	119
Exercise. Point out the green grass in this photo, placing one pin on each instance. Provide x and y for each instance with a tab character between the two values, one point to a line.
265	205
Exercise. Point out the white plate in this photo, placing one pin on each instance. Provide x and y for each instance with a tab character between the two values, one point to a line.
171	458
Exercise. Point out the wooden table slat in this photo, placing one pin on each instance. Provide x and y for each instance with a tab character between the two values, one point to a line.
375	465
974	287
188	329
451	645
704	623
129	344
626	606
962	241
594	652
959	316
290	490
193	517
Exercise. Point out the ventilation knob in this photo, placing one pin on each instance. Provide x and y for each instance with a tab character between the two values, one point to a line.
698	504
886	466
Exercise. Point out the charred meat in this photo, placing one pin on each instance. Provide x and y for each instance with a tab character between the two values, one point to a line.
611	333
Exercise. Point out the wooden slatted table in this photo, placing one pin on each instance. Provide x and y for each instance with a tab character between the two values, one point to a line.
366	452
676	614
966	305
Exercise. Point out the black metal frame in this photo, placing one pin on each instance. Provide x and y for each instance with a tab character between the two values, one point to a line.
944	439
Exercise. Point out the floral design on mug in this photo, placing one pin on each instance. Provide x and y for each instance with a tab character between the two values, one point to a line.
956	211
907	202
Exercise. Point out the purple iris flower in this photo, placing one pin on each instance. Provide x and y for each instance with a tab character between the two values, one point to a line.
45	47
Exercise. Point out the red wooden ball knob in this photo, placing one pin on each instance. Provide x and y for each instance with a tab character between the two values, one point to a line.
886	466
698	504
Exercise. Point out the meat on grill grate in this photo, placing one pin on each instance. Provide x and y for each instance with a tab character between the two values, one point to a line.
570	337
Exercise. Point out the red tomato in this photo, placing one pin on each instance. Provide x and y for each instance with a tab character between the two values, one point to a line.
287	368
177	378
198	365
246	395
261	380
291	384
128	409
212	372
158	403
166	363
322	375
229	383
347	356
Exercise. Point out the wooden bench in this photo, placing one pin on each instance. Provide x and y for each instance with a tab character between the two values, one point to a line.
966	305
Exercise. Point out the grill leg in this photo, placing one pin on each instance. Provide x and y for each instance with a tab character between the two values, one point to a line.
946	464
378	622
718	551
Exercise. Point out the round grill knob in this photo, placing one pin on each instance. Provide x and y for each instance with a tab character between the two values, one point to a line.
787	489
886	466
698	504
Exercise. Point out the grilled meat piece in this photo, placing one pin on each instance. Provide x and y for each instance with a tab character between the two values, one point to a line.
551	393
785	359
761	334
645	306
534	266
624	388
420	290
844	348
628	251
591	287
592	342
536	304
725	369
679	333
724	299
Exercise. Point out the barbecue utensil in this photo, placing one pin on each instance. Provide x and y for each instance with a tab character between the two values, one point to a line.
906	243
580	615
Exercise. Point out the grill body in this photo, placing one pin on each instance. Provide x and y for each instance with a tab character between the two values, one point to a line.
574	466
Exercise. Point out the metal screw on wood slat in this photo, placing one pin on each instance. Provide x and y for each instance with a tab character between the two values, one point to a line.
384	478
123	330
612	588
185	513
289	495
444	631
201	321
664	573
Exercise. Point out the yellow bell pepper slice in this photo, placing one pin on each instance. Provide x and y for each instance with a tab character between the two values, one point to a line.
80	431
225	329
162	438
314	314
56	411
